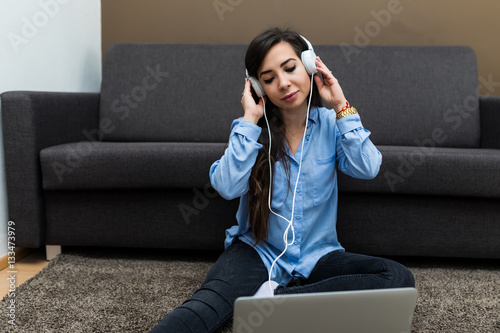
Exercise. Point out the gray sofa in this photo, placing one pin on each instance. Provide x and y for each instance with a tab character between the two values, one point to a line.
128	167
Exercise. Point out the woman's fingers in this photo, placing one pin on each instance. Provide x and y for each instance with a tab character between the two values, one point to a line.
253	111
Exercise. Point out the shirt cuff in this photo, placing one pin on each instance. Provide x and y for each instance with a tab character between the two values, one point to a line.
247	129
349	123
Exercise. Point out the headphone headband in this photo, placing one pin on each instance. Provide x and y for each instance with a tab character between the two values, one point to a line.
309	46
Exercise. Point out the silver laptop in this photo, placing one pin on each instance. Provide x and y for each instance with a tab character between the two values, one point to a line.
373	311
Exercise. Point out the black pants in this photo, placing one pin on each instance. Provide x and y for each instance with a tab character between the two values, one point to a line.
239	271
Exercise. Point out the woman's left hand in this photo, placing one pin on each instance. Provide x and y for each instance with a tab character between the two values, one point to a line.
330	91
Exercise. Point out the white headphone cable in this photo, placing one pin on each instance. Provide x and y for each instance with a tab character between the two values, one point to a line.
290	222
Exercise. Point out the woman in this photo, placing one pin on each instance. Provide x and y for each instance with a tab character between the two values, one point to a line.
285	235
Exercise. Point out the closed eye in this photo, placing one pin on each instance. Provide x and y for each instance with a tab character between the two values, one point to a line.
288	70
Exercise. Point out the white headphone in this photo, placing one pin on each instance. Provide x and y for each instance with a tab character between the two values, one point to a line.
308	58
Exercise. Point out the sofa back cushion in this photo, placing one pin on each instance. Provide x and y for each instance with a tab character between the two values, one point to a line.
411	95
406	95
171	92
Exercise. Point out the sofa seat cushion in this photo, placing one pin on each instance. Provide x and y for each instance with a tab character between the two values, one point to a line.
126	165
408	170
432	171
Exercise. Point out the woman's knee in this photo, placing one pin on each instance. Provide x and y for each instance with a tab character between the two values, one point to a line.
401	275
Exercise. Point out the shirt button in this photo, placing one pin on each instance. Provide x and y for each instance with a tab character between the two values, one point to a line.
307	137
298	190
297	216
296	242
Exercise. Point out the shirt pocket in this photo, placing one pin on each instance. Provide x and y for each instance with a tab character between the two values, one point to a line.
324	179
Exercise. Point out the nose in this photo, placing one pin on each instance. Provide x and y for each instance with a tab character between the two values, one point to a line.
283	82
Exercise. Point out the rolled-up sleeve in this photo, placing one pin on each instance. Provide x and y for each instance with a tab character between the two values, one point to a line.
230	174
357	156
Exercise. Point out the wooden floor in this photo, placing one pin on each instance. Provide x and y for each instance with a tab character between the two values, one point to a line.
25	268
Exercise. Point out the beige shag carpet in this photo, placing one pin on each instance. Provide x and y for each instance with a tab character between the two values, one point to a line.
117	290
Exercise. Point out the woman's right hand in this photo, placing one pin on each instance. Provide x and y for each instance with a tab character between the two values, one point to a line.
253	111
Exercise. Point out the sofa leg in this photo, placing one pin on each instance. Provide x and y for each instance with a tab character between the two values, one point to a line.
52	251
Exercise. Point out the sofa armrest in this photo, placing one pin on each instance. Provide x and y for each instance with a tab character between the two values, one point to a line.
32	121
489	107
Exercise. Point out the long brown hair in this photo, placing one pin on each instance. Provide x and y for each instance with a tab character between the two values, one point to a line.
260	181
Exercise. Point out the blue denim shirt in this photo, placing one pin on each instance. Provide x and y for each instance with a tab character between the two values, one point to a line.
328	142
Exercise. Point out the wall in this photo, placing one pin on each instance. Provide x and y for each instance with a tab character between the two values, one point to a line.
48	45
377	22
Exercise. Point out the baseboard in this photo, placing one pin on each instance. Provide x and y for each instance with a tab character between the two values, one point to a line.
21	252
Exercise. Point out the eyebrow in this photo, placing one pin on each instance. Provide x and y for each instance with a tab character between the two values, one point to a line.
282	64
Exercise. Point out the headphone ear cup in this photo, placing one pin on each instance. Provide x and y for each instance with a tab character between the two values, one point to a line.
257	87
308	58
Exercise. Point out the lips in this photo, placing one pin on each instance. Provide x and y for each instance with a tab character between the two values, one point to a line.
290	97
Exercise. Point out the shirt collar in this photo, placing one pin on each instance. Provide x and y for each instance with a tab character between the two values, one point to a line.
313	115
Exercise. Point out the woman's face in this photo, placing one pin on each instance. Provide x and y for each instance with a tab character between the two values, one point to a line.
284	78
